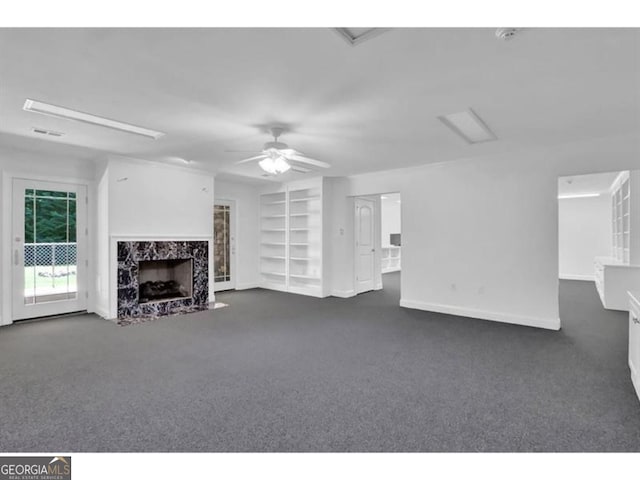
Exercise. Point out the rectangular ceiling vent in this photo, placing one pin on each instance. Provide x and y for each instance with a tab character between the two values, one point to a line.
355	36
68	114
469	126
44	131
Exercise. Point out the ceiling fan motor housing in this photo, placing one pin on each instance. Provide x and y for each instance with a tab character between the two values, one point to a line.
275	145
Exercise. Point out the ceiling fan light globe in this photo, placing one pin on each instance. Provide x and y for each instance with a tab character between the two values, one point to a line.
281	165
274	166
267	165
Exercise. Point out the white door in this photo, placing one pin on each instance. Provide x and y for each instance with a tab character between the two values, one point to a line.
365	246
224	245
49	242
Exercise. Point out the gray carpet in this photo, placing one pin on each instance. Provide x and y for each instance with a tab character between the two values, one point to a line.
278	372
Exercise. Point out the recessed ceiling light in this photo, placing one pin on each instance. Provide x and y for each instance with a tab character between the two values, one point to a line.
578	195
469	126
68	114
355	36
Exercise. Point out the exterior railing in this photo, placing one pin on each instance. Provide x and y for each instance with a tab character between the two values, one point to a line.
50	254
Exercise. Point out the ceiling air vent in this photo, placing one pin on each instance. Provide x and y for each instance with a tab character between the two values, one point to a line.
44	131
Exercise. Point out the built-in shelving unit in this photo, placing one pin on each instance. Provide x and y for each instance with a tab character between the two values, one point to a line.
273	244
305	240
621	219
292	239
391	261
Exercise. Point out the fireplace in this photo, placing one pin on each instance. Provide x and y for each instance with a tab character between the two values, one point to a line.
161	278
164	280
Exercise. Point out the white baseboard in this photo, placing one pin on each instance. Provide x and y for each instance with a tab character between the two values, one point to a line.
343	293
569	276
547	323
247	286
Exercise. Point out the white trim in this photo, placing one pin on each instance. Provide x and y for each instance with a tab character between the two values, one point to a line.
343	293
570	276
247	286
550	324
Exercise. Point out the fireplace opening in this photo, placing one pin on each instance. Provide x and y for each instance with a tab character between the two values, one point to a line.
164	280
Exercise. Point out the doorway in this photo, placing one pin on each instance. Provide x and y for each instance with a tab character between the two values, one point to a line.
49	258
224	245
597	241
391	233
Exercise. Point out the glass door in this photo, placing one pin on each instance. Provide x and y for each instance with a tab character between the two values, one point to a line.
49	248
224	247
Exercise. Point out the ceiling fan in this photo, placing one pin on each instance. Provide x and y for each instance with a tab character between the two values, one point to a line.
276	157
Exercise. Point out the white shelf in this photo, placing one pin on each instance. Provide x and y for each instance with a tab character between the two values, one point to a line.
304	277
305	199
273	257
275	274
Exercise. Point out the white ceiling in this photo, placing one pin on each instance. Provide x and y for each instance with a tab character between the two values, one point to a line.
592	183
364	108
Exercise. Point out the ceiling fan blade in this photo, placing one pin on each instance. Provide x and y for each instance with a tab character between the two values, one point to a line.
308	161
251	159
300	169
241	151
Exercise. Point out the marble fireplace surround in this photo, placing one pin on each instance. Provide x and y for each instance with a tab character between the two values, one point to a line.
131	252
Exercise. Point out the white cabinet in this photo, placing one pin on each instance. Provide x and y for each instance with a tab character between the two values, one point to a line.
292	238
613	280
391	260
634	339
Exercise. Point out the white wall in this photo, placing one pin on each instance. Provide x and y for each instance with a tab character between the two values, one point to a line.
480	236
390	216
247	202
36	165
147	200
584	233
